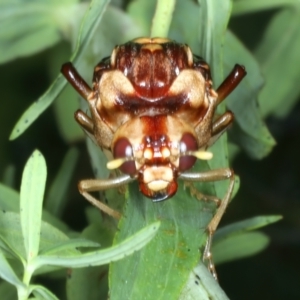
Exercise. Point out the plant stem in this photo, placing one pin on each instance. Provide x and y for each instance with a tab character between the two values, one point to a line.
162	18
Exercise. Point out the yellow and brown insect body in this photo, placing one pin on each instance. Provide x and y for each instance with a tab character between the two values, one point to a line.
153	88
153	106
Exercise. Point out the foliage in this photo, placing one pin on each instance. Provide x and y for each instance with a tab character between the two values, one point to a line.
37	243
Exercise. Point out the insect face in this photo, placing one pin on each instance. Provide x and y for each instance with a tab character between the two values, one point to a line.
156	153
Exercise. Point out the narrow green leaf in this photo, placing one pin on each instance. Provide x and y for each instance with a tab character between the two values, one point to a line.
29	27
31	201
214	16
279	58
9	176
65	103
234	241
245	6
69	244
9	249
88	283
56	200
12	238
7	291
239	246
11	235
42	293
87	30
9	201
202	285
162	18
187	32
249	130
245	225
142	12
171	255
101	257
7	273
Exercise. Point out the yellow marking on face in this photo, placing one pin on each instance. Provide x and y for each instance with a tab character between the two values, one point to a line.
156	173
165	152
148	154
157	185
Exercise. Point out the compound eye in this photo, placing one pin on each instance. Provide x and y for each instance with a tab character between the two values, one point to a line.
187	143
123	149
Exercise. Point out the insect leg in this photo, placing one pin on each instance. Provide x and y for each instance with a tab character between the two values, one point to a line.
220	125
213	175
93	185
78	83
231	82
84	121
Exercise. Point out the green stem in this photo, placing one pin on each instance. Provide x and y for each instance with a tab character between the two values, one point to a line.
23	293
162	18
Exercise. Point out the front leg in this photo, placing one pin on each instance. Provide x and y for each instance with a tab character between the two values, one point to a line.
231	82
213	175
78	83
93	185
219	126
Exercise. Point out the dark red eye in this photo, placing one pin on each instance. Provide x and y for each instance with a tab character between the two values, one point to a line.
187	143
122	149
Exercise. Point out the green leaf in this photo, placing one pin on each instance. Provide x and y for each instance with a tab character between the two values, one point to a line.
101	257
183	31
7	291
251	133
9	201
171	255
88	283
10	232
65	104
234	241
42	293
279	58
56	200
31	26
7	273
214	17
9	175
251	6
31	201
92	283
142	12
202	285
239	246
246	225
87	30
69	244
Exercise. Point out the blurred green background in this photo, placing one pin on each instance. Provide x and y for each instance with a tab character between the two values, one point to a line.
269	186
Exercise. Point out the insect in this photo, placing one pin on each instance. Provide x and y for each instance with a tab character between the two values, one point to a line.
153	107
